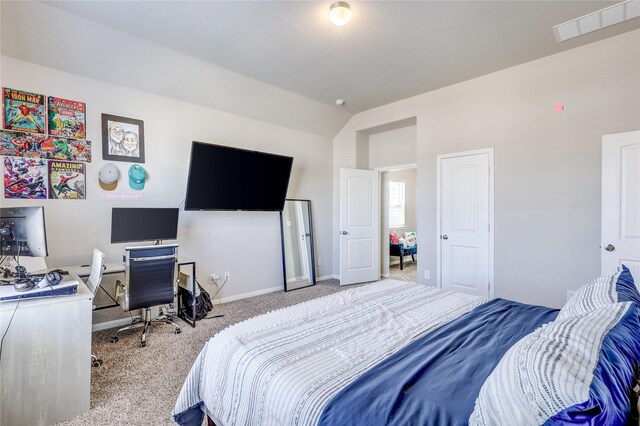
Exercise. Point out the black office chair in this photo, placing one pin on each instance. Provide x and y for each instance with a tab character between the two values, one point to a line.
150	280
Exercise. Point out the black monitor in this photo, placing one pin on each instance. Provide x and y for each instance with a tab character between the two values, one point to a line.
23	232
130	225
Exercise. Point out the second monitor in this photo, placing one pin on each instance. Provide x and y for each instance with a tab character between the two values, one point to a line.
143	224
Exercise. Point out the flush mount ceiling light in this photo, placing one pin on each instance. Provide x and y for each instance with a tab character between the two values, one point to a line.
339	13
597	20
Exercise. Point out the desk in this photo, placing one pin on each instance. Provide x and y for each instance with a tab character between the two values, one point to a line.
46	370
119	268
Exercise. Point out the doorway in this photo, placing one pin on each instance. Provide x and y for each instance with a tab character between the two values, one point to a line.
399	248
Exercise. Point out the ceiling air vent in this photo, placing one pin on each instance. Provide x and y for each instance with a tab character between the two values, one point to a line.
597	20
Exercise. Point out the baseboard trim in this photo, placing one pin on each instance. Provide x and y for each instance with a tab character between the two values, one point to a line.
250	294
385	275
328	277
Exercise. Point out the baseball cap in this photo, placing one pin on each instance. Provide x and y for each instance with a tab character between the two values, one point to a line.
137	177
108	177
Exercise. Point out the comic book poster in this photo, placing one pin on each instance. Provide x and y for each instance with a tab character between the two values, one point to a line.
66	118
70	149
66	180
25	178
23	111
21	144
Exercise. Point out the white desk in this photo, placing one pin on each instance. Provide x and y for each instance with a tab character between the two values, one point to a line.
46	369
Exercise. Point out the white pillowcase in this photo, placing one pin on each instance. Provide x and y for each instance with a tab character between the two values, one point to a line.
599	292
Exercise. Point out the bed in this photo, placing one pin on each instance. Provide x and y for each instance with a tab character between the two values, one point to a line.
402	353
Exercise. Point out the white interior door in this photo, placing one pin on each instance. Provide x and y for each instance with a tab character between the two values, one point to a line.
359	226
465	207
621	202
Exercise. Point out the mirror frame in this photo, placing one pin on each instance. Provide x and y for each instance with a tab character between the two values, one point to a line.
311	243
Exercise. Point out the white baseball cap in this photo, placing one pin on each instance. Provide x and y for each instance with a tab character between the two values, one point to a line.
108	177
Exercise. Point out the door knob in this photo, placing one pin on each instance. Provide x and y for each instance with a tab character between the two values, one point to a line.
445	237
609	247
343	232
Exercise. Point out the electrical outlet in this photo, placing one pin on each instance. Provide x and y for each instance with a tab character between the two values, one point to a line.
227	275
213	278
427	274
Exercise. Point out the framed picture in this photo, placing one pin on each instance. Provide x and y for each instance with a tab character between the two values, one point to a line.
122	139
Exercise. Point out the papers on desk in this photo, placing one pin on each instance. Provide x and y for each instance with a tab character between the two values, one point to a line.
66	287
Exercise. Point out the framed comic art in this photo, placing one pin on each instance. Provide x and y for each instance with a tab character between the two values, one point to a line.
122	139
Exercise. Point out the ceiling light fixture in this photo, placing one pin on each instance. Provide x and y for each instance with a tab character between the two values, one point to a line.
339	102
597	20
339	13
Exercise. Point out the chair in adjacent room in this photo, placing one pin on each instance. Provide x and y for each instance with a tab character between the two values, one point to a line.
150	280
93	283
402	251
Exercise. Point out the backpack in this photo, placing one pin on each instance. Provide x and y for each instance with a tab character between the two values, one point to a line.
203	304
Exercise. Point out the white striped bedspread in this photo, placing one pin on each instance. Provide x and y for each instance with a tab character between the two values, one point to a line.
283	367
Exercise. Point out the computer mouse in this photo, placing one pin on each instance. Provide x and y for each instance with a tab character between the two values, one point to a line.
53	277
23	284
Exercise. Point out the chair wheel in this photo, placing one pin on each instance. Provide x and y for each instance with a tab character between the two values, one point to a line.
177	331
97	363
114	339
143	344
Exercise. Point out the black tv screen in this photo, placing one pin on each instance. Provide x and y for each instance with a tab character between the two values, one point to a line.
143	224
225	178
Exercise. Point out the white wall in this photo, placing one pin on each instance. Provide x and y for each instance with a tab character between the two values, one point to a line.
393	148
547	163
246	244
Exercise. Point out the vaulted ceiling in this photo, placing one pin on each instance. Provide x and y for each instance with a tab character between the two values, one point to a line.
389	51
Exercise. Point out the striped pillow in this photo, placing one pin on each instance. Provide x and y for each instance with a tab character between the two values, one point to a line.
576	370
617	286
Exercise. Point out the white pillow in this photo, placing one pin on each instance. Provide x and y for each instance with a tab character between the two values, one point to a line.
599	292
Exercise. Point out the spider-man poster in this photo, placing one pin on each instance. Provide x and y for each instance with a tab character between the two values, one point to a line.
66	180
25	178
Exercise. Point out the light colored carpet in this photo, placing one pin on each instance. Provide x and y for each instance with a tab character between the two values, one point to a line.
139	386
407	274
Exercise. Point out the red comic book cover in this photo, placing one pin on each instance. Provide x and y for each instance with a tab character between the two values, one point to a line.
67	180
22	144
66	118
25	178
23	111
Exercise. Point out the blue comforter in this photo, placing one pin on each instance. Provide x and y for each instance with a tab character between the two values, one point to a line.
436	379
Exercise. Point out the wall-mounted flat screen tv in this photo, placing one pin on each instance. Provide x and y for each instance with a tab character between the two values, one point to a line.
225	178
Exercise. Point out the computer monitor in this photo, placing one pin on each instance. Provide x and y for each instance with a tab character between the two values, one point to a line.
130	225
23	232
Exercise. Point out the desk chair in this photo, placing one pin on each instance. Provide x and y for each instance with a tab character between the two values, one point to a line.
150	280
95	277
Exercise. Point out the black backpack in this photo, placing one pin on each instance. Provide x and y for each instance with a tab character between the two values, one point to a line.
203	303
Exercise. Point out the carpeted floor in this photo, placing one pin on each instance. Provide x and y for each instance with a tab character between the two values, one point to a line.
408	272
139	386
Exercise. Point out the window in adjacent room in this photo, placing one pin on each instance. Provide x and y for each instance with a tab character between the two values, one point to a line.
396	204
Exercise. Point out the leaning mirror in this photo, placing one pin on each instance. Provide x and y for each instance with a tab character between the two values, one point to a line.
298	260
